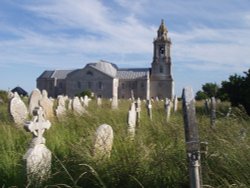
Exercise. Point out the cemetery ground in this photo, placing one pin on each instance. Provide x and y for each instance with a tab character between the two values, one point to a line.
156	157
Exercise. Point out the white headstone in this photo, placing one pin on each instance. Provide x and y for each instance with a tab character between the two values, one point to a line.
114	103
18	110
61	109
138	110
77	106
175	103
168	108
103	141
47	105
38	156
86	101
34	99
132	120
99	101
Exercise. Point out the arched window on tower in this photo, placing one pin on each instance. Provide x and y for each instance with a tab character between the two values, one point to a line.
161	69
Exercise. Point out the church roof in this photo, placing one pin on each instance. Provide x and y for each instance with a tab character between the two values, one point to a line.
105	67
59	74
132	73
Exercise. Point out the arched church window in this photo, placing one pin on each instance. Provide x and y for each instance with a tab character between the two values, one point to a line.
79	85
161	69
100	85
90	73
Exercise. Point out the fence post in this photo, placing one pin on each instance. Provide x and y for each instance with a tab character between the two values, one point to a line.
191	137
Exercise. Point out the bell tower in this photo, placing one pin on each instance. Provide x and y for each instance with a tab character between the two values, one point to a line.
161	75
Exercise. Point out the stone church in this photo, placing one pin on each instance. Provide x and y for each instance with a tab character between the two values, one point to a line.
104	78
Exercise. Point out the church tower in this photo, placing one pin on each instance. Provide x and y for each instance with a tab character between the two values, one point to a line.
161	82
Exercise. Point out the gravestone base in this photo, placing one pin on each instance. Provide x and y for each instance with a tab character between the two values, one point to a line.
38	164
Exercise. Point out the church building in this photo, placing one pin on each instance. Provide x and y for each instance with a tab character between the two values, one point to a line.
104	78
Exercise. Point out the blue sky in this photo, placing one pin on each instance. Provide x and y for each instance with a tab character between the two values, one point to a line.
211	39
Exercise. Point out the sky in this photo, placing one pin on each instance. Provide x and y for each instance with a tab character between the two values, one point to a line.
210	39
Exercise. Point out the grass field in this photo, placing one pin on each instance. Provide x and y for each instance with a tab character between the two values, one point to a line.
155	158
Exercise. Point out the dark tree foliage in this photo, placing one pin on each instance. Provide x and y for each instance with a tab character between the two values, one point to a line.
85	92
238	90
208	90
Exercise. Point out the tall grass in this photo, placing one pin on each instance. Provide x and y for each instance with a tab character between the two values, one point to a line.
155	158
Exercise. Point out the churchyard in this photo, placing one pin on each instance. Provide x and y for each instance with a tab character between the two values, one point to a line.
126	143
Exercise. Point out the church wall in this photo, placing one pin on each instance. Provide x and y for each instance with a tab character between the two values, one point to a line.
47	84
89	79
138	86
161	89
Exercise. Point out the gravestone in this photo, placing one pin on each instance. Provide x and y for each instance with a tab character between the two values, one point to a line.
114	103
34	99
149	109
191	137
47	105
132	120
207	109
138	111
77	106
103	141
168	108
175	103
18	110
213	112
61	108
99	101
86	101
70	104
38	156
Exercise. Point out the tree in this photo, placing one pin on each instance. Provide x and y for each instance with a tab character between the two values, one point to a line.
208	90
238	90
200	95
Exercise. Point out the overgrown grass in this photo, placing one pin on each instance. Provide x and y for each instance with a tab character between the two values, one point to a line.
155	158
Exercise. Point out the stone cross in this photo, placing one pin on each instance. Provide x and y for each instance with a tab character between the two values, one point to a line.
38	156
191	137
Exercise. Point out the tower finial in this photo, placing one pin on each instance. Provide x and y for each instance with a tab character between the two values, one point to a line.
162	31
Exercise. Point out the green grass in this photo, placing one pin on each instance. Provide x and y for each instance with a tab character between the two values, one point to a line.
155	158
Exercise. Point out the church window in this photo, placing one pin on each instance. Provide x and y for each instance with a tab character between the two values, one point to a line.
142	85
162	50
161	69
90	73
123	86
100	85
89	85
79	85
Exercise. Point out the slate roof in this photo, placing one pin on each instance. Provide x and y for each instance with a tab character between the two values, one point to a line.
59	74
132	73
20	91
105	67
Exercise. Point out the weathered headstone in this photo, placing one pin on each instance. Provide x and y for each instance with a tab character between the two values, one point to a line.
138	110
213	112
61	108
103	141
34	99
175	103
47	105
168	108
132	120
114	103
149	109
191	137
207	109
38	156
86	101
18	110
99	101
77	106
